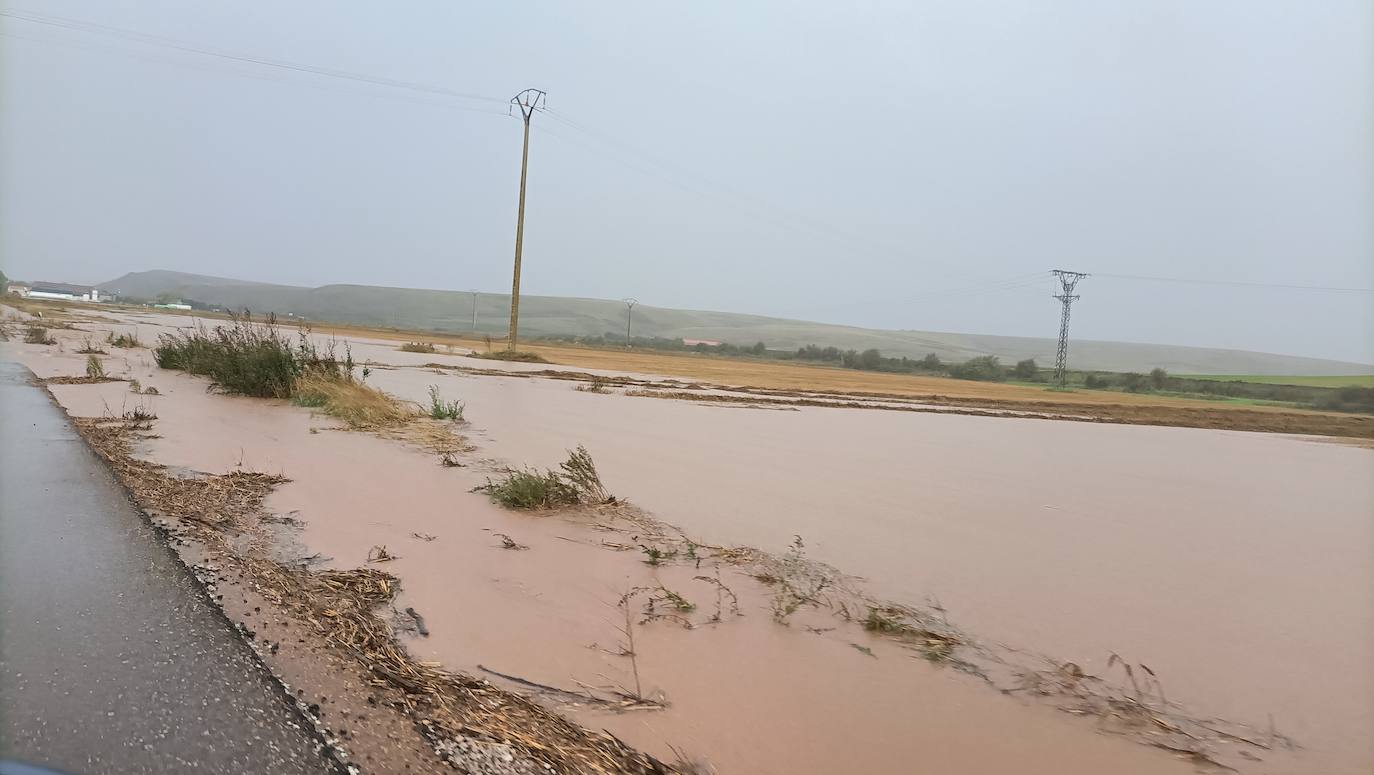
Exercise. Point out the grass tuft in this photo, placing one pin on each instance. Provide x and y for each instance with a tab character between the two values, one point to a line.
599	385
530	489
439	409
416	347
885	620
360	406
253	359
576	483
94	368
38	335
127	341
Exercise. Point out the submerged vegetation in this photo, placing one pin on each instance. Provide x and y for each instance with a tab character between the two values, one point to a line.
127	341
575	483
439	409
518	356
597	384
88	348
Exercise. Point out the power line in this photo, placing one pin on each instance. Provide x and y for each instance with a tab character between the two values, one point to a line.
736	200
1236	283
173	43
269	76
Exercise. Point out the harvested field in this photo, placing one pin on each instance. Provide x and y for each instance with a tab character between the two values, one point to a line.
1141	409
1133	408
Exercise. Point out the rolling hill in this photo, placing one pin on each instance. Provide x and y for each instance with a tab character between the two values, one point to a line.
451	311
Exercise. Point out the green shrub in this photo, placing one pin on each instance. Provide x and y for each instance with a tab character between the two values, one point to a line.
984	368
440	409
254	359
309	398
417	347
1348	399
576	482
1134	382
530	489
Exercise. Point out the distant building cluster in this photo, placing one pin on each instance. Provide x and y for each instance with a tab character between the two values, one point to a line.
69	292
62	291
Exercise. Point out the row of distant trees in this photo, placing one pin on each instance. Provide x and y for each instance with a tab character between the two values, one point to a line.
1131	381
986	368
989	368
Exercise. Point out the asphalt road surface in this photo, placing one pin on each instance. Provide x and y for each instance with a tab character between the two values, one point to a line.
111	658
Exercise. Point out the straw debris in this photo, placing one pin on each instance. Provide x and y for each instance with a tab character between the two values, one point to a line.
217	500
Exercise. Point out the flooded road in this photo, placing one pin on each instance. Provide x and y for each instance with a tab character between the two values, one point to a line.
1237	566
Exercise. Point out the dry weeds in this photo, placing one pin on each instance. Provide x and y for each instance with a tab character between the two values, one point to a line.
217	500
38	334
88	348
84	379
518	356
359	405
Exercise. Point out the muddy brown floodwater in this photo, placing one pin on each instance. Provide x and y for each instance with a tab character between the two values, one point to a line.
1238	566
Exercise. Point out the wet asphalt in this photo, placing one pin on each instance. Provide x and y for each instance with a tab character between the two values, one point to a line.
112	660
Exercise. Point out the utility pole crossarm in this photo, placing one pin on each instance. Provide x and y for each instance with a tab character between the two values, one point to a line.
1067	282
529	101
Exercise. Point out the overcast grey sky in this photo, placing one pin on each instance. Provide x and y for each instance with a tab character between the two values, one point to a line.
904	165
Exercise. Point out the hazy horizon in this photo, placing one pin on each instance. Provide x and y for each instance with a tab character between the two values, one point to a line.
905	168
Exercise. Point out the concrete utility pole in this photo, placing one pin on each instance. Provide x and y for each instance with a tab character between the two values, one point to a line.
629	311
528	101
1067	281
474	311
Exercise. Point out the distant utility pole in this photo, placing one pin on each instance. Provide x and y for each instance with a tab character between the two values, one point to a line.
629	311
474	311
528	101
1067	281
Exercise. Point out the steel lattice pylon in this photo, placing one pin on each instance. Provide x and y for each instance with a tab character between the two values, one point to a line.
1067	281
